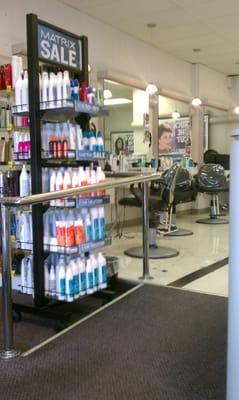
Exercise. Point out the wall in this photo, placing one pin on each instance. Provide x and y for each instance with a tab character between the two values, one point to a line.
119	119
110	48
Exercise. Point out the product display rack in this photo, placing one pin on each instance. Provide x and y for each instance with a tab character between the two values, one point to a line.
38	112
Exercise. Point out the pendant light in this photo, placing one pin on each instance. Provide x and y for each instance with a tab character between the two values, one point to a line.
196	101
236	110
151	87
176	115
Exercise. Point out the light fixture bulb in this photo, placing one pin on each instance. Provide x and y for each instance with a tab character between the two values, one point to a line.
89	68
107	94
236	110
151	89
196	102
176	115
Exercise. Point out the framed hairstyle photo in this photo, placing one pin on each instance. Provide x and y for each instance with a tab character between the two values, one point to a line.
122	141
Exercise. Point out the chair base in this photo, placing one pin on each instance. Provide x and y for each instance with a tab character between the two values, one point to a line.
179	232
213	221
155	252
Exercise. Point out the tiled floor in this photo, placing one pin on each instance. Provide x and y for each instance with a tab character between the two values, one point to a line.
207	245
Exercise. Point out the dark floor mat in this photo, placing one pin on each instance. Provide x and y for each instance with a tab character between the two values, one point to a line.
32	330
157	343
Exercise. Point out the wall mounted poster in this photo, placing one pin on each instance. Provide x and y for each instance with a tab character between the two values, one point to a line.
122	141
173	135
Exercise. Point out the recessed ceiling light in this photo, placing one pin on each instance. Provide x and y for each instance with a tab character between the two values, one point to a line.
196	50
236	110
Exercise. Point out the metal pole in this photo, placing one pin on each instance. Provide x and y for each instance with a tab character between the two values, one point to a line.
233	303
145	210
8	351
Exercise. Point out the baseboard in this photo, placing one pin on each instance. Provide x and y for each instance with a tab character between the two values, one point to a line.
196	211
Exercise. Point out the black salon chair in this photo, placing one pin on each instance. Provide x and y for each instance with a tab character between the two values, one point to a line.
185	191
157	203
211	180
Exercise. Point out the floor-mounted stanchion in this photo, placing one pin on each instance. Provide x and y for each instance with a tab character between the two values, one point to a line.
233	306
145	211
8	350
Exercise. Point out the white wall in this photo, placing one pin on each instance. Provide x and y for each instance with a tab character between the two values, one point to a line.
119	119
110	48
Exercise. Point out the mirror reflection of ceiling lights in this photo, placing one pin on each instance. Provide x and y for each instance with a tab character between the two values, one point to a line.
116	101
107	94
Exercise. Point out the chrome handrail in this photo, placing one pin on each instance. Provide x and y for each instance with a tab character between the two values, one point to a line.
6	203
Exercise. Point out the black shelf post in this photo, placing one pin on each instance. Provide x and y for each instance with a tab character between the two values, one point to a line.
36	174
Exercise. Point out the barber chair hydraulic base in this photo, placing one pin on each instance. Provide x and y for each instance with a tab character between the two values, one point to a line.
212	221
155	252
179	232
169	228
214	213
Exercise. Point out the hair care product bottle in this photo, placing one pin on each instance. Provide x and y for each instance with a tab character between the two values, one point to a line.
89	277
59	186
59	83
61	279
75	272
45	180
79	231
95	267
82	275
69	284
24	182
52	185
101	213
24	266
72	137
25	91
100	142
52	281
83	92
88	228
102	271
76	90
66	88
95	223
52	90
15	70
18	92
45	89
85	141
46	279
30	280
8	118
92	142
8	75
79	137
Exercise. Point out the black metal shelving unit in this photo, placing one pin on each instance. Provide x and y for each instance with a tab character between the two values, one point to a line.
37	112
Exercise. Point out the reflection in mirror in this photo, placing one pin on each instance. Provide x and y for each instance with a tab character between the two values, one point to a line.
126	125
174	132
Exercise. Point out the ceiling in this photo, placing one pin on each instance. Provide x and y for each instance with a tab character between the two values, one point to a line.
182	25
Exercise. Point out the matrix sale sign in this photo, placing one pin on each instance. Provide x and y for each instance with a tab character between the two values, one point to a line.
59	47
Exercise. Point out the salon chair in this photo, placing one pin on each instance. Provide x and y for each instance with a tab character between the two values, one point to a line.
160	199
211	180
185	191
